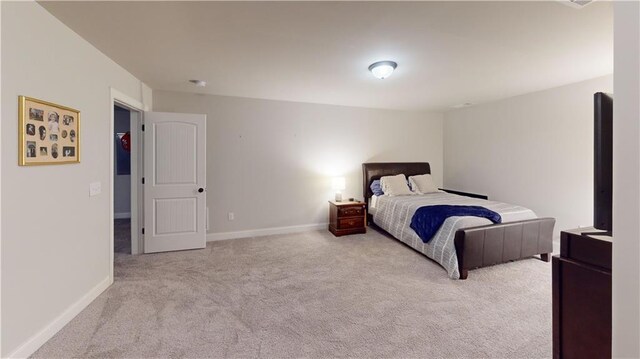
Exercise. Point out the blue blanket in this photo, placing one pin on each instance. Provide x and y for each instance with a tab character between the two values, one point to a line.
428	219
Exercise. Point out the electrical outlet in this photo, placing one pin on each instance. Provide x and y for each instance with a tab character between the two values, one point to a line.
231	216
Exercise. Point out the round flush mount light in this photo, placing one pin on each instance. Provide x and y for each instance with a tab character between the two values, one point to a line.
382	69
199	83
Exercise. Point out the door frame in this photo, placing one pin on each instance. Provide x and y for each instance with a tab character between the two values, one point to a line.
122	100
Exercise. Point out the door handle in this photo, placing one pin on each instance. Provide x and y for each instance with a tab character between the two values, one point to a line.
200	190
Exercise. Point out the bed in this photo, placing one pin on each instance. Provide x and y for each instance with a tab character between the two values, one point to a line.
462	243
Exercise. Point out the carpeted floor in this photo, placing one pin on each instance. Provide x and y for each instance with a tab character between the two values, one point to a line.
311	295
122	236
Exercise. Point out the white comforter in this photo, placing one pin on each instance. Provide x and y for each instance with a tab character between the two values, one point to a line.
393	214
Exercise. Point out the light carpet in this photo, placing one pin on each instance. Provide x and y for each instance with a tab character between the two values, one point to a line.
122	236
311	295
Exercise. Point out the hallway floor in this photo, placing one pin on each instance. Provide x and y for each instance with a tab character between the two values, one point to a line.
122	236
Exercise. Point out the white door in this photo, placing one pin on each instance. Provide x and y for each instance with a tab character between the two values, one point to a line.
174	181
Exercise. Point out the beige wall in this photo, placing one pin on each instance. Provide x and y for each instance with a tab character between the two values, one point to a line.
535	150
271	162
626	181
55	238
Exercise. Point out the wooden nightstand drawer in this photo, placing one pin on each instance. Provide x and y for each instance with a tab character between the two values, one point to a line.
350	211
347	223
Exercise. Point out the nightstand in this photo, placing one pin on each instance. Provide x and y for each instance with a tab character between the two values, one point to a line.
347	218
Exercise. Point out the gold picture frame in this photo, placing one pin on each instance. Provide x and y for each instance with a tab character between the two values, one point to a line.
48	133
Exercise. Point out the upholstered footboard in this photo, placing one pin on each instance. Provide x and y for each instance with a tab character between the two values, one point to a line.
499	243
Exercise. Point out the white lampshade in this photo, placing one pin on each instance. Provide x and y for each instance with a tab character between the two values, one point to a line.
382	69
338	183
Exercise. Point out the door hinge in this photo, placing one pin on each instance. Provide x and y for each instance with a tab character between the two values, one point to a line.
142	230
143	127
142	180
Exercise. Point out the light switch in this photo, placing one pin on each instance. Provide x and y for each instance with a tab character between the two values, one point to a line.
95	188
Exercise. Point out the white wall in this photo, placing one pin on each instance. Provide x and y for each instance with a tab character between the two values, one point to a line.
55	238
626	181
271	162
121	183
535	150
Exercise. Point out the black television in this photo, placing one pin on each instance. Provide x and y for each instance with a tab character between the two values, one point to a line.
603	162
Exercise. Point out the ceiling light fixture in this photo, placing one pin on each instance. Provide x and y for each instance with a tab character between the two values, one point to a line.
199	83
382	69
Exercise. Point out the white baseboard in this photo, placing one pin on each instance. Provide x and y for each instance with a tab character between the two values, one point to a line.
265	232
36	341
122	215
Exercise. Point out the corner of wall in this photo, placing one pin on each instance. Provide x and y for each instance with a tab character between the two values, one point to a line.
37	340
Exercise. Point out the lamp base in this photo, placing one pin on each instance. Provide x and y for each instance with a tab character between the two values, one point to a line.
338	197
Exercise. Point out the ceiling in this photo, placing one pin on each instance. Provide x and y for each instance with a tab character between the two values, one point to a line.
448	53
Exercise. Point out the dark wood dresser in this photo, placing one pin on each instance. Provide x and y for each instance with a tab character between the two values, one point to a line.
347	218
582	296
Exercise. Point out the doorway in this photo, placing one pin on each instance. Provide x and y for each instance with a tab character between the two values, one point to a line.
122	181
172	152
126	229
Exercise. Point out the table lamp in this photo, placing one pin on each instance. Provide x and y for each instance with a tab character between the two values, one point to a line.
338	185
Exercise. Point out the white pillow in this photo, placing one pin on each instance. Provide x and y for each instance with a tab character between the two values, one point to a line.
422	184
395	185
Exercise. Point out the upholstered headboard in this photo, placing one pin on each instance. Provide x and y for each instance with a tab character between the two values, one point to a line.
373	171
